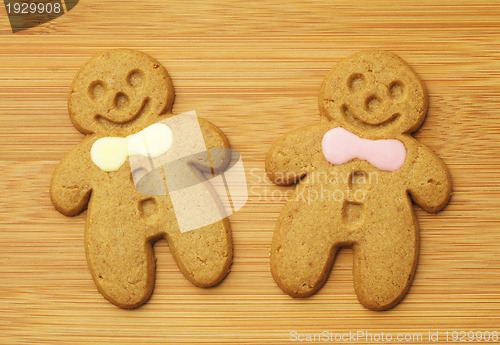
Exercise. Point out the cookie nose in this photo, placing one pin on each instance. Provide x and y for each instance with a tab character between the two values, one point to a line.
121	100
372	103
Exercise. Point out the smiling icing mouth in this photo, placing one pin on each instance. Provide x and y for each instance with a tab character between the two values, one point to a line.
352	118
105	122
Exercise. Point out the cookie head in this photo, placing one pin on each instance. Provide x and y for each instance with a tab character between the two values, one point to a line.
374	91
119	91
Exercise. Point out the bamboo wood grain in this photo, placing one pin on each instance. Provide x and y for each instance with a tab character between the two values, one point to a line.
253	69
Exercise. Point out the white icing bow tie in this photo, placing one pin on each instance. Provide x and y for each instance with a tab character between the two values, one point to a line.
109	153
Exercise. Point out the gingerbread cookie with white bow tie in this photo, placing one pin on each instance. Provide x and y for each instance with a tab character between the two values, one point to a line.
117	100
357	173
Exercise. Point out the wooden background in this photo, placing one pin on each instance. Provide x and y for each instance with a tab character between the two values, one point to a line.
254	69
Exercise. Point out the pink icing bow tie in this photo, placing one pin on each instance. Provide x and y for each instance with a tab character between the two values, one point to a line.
341	146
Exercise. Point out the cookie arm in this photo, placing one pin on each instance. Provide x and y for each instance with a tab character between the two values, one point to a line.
429	180
290	157
215	139
70	185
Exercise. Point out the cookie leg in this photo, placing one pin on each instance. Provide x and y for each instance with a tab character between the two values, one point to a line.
120	257
203	255
385	259
304	245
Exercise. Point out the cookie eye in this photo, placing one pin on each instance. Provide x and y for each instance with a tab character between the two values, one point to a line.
396	89
97	89
135	78
356	82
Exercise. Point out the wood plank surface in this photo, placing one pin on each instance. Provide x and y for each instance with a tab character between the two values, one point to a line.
253	68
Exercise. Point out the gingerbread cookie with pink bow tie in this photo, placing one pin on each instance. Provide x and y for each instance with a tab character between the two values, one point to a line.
357	173
120	99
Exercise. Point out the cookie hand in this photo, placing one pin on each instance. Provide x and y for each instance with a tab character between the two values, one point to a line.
70	185
429	181
290	157
214	138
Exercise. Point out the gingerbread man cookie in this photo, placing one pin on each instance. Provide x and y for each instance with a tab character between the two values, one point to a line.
358	171
121	95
